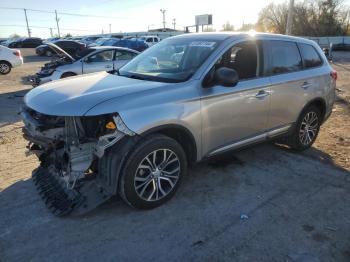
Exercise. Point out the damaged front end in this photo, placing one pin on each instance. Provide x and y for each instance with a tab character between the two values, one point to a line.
47	70
69	150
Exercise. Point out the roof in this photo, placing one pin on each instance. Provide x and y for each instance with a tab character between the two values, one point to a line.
224	35
113	47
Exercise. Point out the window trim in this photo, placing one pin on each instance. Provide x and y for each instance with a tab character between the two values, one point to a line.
100	51
261	60
302	58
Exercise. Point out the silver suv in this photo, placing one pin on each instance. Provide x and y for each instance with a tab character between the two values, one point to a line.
134	131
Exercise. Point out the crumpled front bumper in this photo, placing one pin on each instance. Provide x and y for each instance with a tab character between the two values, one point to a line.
37	80
63	201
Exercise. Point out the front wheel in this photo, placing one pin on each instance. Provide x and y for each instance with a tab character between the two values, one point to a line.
306	129
153	172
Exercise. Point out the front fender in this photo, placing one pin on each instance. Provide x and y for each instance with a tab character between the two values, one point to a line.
167	104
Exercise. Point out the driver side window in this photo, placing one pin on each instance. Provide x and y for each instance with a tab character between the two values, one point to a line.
242	57
104	56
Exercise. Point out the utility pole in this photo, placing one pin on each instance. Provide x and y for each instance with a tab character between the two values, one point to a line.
28	29
110	28
163	12
51	33
58	28
290	17
174	23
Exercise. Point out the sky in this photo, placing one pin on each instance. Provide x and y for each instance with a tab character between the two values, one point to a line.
124	15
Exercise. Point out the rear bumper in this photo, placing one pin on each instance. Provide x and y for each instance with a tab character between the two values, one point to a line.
17	62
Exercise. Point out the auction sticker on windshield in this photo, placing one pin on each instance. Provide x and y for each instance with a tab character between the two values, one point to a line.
202	44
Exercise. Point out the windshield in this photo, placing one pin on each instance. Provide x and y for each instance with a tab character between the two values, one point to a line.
172	60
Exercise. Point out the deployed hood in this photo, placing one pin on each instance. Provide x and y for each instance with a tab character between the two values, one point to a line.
74	96
60	51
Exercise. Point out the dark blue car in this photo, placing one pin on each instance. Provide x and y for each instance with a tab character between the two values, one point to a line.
128	43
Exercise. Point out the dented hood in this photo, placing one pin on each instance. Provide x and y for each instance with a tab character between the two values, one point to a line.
74	96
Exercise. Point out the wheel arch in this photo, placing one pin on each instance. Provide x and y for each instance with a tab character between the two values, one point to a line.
179	133
7	62
67	74
320	103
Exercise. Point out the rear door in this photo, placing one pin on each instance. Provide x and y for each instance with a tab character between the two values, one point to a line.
99	61
290	85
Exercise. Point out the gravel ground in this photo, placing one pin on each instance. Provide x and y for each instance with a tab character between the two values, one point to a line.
261	204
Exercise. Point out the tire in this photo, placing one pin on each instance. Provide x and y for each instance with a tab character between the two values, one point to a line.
309	119
68	74
141	188
5	67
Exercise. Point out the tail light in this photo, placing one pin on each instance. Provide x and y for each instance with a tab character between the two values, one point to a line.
17	53
334	75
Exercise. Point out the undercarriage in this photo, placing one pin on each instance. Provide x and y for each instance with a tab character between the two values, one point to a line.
71	177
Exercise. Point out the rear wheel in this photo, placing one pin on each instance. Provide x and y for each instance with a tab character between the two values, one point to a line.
153	172
5	67
306	130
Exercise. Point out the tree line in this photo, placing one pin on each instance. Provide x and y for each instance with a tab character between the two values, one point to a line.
310	18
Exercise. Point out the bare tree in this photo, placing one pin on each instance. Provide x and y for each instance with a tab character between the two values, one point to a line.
311	18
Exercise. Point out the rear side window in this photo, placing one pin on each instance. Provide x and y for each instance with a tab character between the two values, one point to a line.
124	55
310	56
285	57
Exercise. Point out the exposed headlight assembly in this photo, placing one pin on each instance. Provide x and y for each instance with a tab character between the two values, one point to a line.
108	140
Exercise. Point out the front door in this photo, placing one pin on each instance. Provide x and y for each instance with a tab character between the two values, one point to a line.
239	113
100	61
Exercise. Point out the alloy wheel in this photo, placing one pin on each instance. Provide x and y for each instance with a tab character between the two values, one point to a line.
4	68
308	128
157	174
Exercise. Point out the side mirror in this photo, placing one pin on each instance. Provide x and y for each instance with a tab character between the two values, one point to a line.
226	77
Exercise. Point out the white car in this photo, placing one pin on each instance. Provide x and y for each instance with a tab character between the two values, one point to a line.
9	58
90	60
150	40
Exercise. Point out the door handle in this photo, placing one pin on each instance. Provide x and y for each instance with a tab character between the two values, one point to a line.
108	66
306	85
262	94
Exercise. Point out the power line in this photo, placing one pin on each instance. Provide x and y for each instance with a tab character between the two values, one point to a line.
46	27
64	13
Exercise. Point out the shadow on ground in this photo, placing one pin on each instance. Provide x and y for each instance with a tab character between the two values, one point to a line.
294	207
9	107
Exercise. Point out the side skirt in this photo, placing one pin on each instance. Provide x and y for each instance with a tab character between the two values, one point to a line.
268	135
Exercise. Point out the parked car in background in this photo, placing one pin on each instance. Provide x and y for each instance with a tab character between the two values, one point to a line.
89	39
134	132
89	60
127	43
31	42
52	39
9	58
341	47
71	47
101	41
150	39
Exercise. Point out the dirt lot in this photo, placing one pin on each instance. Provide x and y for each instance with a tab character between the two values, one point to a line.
297	205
